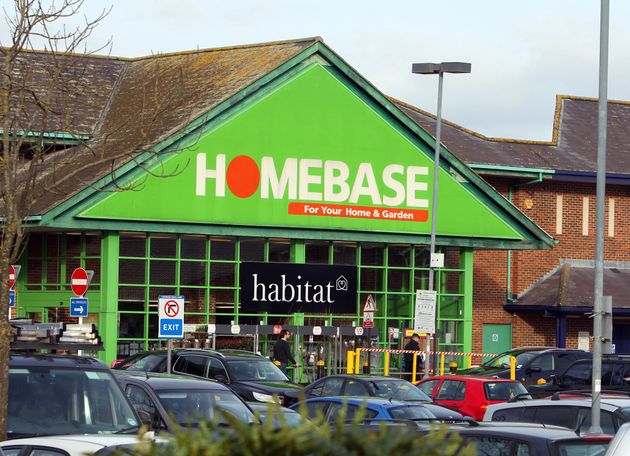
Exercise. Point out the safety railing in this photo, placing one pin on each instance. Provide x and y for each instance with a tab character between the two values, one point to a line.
354	360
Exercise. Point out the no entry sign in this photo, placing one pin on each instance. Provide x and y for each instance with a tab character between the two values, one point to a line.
171	317
79	281
11	277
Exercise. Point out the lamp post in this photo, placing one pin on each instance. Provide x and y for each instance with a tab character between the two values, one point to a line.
439	69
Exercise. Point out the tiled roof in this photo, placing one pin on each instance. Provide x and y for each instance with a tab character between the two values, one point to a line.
572	148
137	103
572	286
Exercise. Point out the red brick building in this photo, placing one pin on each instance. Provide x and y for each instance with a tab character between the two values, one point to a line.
544	297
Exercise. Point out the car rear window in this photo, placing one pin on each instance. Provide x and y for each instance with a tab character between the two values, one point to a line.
142	362
581	448
411	412
503	391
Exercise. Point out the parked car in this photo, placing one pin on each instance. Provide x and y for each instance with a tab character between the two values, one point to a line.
615	377
251	376
70	445
55	394
471	395
517	439
184	400
573	413
291	417
620	445
374	386
533	364
373	409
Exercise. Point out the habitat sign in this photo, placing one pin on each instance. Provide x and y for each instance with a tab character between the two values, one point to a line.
287	288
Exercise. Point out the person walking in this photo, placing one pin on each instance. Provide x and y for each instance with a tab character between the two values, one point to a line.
282	351
413	344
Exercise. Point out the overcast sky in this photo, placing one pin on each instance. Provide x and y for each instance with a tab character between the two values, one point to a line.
523	53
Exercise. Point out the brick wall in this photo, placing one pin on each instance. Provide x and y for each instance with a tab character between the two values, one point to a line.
538	202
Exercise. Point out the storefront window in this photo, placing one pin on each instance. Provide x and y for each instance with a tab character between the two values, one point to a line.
399	255
344	253
223	249
192	273
163	246
372	254
133	245
279	251
194	247
252	249
317	252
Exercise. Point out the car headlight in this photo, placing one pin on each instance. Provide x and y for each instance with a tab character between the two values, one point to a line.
262	397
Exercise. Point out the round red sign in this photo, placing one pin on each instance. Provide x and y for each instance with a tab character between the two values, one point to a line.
79	281
11	277
277	329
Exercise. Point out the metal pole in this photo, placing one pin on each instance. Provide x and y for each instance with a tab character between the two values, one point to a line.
434	202
599	223
169	349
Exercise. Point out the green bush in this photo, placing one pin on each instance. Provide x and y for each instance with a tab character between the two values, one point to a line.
308	439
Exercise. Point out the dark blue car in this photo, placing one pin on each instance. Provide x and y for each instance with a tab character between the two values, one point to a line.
374	409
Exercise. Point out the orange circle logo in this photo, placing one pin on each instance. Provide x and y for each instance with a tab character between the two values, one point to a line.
243	176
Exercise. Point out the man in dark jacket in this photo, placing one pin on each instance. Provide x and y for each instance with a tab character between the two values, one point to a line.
413	344
282	351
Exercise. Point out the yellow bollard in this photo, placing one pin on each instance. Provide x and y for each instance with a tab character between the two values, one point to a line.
442	364
386	365
350	362
357	361
468	362
415	366
512	368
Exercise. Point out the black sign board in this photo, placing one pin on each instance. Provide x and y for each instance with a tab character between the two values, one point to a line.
288	287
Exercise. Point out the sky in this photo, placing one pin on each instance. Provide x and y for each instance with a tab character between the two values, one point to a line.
523	53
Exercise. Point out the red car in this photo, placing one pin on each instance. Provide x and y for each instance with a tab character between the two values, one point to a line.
471	395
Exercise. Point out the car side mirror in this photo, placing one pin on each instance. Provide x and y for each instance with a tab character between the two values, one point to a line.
221	378
145	418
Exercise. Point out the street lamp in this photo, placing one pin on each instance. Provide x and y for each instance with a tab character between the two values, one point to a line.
439	69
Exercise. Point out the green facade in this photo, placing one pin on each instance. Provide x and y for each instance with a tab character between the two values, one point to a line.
310	136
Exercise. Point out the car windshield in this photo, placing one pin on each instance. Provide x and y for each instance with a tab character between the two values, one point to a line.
400	390
503	360
503	391
256	370
54	401
145	362
581	448
190	407
411	412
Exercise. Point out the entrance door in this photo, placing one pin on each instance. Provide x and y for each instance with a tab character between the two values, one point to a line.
496	338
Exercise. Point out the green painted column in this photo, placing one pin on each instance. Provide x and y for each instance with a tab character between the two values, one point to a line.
298	251
467	263
108	315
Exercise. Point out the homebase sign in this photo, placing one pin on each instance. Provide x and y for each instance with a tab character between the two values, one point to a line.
287	288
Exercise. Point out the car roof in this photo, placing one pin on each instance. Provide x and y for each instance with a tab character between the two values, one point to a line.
472	378
362	377
90	442
228	354
166	382
613	403
359	400
57	361
521	431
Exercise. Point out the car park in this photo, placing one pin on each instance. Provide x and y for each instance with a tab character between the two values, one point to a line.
70	445
55	395
533	364
471	395
185	401
527	439
573	413
375	386
615	376
251	376
370	409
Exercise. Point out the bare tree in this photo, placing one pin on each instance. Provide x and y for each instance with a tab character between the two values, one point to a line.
44	146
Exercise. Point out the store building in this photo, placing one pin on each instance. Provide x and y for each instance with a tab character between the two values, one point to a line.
546	297
245	160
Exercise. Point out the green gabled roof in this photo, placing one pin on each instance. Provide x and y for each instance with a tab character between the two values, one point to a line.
298	55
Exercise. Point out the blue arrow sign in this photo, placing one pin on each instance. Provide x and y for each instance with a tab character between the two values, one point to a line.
78	307
11	298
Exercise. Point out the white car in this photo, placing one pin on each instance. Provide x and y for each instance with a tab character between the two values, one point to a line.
620	445
69	445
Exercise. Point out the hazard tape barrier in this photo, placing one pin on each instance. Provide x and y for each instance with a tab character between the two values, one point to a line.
354	358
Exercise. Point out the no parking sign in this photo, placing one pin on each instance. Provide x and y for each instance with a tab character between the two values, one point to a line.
171	315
